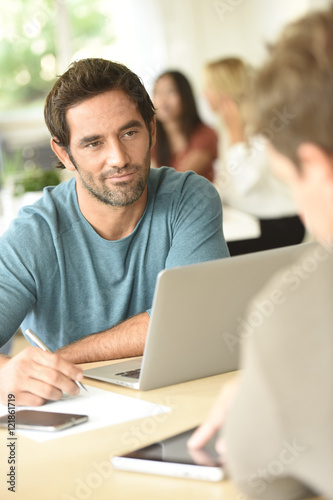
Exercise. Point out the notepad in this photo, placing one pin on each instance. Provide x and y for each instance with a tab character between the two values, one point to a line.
104	408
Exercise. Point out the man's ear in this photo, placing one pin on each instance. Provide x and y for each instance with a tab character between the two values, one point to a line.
62	154
315	162
153	131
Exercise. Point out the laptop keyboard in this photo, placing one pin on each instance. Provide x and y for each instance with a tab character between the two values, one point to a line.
130	373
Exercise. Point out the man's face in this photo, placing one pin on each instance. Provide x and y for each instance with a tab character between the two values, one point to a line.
109	148
311	187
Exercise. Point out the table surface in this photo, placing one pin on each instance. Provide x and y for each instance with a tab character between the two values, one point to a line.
78	467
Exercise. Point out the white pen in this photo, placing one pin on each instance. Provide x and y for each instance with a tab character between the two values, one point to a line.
29	333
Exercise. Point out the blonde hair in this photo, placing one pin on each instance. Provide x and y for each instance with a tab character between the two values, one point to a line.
230	76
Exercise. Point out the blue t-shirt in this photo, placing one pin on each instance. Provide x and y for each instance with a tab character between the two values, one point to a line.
64	281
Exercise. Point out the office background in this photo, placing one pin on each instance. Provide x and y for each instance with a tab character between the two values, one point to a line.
147	35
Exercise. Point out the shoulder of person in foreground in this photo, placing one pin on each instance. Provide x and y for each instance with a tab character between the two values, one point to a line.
279	432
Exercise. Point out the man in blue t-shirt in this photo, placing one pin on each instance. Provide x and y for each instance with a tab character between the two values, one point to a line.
79	267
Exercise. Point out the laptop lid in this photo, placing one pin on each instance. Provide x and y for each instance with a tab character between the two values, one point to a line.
198	321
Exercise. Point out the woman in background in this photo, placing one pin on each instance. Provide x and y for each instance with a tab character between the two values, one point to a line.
244	179
183	141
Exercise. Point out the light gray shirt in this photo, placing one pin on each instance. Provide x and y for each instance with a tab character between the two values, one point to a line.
279	432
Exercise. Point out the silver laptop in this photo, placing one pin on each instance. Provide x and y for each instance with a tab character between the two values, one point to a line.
198	320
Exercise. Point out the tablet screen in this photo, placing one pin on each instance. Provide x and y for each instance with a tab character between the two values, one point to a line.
172	457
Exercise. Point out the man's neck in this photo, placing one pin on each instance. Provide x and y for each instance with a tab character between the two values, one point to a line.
111	222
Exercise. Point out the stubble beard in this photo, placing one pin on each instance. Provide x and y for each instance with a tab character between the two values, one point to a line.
121	195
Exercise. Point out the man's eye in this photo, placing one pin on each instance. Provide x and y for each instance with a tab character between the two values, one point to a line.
130	133
93	145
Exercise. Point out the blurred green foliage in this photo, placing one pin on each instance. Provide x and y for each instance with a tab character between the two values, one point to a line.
28	51
34	180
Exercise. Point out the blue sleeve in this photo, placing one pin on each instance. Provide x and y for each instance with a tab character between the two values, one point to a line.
16	289
23	254
197	230
197	226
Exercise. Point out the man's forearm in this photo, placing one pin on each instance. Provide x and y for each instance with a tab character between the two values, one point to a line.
3	359
124	340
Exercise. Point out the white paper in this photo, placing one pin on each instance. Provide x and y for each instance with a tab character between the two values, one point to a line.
104	408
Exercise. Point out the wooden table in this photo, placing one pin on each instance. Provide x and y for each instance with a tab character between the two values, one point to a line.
79	468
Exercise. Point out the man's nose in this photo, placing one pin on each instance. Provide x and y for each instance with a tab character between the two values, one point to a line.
117	155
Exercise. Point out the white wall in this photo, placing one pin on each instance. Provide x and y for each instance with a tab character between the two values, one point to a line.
154	35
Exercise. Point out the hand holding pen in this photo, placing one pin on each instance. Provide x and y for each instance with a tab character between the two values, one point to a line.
32	336
35	376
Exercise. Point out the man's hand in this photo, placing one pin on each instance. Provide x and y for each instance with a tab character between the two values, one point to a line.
216	419
35	376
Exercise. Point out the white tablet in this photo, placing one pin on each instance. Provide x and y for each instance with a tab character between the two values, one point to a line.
172	457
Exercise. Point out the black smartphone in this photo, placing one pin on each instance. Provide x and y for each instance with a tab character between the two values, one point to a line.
171	457
43	420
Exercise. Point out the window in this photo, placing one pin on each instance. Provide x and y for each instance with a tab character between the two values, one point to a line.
39	38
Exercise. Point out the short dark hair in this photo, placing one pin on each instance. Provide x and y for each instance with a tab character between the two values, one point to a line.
87	78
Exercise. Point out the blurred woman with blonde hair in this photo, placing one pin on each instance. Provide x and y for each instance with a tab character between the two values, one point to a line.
243	177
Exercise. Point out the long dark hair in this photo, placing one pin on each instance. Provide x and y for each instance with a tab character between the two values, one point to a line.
190	118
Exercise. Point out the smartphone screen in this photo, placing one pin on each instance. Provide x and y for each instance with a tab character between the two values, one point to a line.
171	457
43	420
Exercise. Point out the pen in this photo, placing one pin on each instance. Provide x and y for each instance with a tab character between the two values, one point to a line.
29	333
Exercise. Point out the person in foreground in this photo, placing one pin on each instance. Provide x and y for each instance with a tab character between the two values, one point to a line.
277	416
79	267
